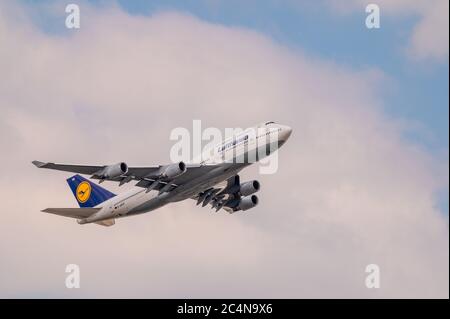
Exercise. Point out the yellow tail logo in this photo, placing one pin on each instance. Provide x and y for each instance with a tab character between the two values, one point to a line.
83	192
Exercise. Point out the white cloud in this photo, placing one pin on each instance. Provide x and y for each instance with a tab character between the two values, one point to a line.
429	38
349	191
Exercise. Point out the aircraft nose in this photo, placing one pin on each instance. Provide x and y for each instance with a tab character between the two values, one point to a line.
285	132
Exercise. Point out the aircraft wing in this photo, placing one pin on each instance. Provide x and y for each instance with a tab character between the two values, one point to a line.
221	197
150	177
93	169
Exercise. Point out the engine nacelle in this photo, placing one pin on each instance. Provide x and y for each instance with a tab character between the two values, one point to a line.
174	170
249	188
112	171
248	202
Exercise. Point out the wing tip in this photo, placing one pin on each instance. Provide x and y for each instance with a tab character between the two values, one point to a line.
38	164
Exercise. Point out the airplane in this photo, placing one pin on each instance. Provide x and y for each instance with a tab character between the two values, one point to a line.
213	180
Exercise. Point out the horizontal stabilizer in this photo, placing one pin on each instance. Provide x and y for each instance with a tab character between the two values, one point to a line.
72	212
106	222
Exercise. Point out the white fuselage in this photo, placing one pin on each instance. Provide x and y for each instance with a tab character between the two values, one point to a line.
229	158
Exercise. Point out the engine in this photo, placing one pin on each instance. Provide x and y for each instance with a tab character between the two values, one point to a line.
249	188
248	202
112	171
173	170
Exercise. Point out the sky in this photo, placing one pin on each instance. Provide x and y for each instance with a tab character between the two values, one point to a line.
363	178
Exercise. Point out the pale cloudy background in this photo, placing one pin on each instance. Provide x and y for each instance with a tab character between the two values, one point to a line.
353	187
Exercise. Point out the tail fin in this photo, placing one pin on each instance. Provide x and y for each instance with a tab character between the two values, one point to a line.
86	193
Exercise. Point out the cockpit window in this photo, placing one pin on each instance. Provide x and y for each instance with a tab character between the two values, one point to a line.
270	123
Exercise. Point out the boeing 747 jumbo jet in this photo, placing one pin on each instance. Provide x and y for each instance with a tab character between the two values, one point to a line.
214	180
